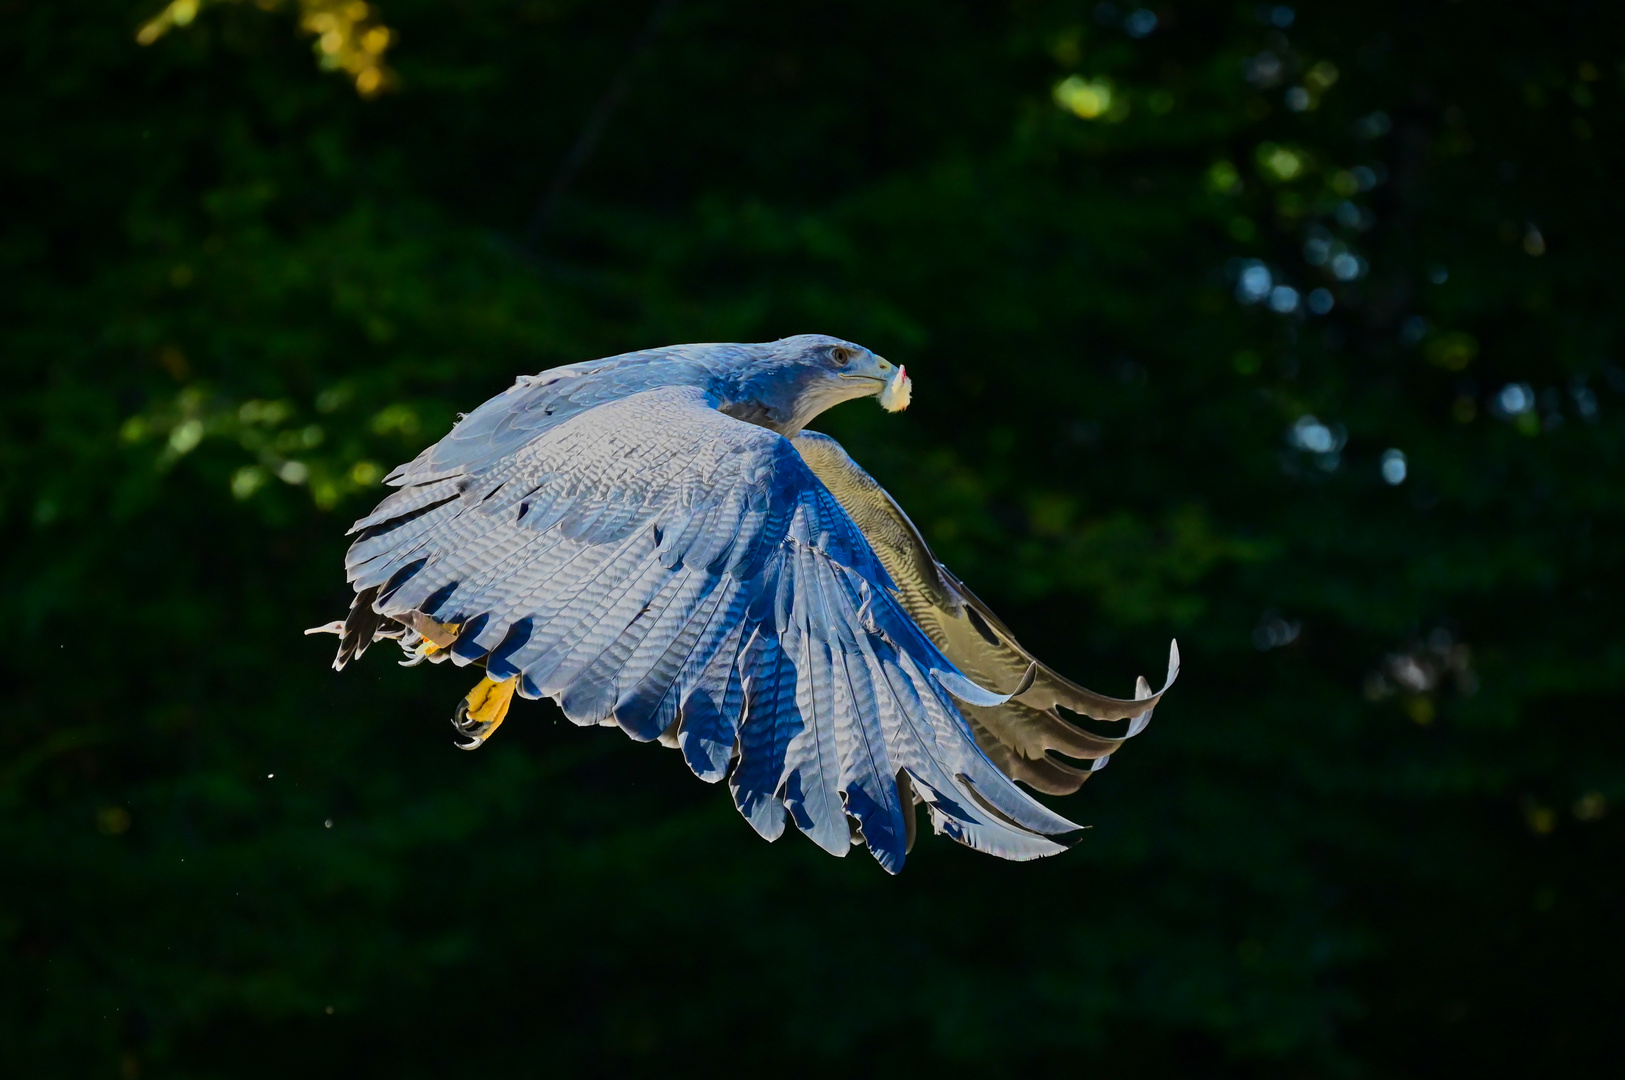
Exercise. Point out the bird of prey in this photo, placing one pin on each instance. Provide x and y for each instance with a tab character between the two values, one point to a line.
656	543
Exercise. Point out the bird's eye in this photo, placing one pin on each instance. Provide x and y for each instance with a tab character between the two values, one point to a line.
840	356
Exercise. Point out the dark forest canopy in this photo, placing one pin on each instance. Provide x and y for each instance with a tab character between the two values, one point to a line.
1287	331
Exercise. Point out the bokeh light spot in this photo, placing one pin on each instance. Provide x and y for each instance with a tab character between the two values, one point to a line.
1452	351
1140	22
1347	266
1394	466
1283	299
1592	806
1087	99
247	480
185	436
1254	282
1515	399
1223	178
1281	162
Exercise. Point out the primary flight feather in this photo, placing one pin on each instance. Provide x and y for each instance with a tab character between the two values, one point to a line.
654	542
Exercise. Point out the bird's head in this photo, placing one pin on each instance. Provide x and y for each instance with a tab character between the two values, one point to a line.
799	377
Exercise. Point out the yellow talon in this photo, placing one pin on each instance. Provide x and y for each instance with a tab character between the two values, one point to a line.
483	710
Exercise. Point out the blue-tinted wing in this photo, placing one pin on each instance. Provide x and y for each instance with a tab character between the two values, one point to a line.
651	563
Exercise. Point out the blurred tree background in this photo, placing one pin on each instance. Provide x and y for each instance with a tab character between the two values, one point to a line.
1287	331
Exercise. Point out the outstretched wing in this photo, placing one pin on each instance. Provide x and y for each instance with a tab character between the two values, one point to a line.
654	564
1024	735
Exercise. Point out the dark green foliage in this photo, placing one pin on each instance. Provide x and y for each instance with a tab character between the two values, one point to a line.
1375	829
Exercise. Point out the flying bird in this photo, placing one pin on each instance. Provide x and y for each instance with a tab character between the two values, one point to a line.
655	542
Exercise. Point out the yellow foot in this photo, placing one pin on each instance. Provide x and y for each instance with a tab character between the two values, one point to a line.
483	710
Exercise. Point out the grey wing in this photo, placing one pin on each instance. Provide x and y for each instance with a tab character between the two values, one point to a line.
1022	736
534	404
652	564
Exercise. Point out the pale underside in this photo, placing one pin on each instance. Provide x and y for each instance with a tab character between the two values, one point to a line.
650	563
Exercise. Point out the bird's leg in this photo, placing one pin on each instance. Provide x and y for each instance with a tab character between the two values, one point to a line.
436	635
425	637
483	710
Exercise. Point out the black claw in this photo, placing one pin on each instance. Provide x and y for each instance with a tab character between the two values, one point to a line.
476	730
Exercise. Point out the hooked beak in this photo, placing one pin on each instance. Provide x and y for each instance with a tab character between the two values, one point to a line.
898	391
895	387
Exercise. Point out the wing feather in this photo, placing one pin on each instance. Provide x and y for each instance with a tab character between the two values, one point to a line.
649	562
1027	737
772	720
